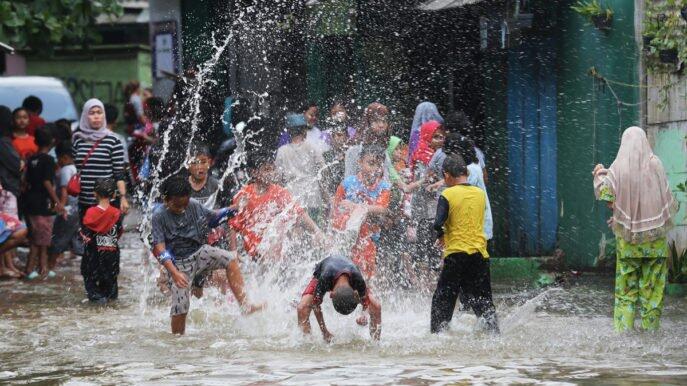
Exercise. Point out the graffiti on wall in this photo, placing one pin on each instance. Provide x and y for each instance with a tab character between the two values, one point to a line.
108	91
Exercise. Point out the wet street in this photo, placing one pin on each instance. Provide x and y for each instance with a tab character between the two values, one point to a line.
50	335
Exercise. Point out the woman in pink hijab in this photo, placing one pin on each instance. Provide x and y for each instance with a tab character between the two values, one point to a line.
635	186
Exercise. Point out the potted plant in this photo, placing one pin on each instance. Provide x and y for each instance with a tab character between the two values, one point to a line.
667	50
677	272
601	17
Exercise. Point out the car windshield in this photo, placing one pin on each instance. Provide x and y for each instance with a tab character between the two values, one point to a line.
57	103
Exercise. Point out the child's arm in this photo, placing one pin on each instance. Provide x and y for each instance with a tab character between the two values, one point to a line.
216	217
166	259
440	219
320	321
59	208
375	317
303	309
380	206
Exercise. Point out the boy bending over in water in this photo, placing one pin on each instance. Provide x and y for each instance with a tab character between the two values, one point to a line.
343	279
180	233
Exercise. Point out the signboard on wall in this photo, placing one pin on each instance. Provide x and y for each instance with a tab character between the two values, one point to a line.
165	49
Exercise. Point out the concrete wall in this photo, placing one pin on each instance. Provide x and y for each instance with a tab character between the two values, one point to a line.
667	129
161	11
96	74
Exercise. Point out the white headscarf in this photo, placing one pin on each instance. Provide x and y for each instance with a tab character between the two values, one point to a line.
644	203
85	130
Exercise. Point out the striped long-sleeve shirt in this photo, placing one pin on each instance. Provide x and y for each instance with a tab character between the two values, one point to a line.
106	161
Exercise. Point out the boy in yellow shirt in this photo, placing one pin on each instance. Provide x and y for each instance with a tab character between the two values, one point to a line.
460	227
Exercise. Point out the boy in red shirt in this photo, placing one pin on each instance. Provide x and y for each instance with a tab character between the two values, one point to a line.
265	209
102	227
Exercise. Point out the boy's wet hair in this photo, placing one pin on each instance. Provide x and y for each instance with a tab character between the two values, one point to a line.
43	137
33	104
17	110
344	300
105	187
200	148
256	158
375	151
111	113
175	186
64	148
454	166
462	146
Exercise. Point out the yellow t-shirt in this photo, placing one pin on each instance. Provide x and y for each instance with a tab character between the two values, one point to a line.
464	227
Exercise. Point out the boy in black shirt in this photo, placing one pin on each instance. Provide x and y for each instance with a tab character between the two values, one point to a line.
40	198
102	227
343	279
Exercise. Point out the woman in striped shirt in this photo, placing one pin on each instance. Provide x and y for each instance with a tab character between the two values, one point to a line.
106	160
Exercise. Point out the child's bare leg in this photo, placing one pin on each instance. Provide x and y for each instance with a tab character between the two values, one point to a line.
179	324
52	260
8	264
43	262
32	259
14	240
237	288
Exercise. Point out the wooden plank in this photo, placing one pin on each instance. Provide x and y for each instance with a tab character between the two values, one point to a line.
675	108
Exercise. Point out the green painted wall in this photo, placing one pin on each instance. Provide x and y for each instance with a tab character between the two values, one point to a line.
589	124
97	74
670	145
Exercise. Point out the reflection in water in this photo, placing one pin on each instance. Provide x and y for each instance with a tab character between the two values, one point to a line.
558	335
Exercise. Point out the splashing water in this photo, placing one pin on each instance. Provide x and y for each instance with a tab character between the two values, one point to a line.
558	335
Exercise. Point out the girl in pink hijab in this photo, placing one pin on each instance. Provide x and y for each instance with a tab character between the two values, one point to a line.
635	186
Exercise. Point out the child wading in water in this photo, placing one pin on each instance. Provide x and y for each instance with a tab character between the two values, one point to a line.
460	228
41	204
347	286
180	234
102	227
368	193
266	212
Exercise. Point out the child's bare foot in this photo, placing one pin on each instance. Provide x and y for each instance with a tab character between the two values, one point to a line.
361	320
248	308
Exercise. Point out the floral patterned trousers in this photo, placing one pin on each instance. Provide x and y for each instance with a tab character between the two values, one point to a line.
640	279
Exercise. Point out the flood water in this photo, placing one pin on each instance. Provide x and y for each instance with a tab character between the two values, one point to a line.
49	335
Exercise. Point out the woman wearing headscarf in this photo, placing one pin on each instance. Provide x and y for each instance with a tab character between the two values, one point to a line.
424	112
635	186
106	159
374	131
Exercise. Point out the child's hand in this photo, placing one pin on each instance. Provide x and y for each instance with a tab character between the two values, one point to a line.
180	279
59	209
327	336
348	205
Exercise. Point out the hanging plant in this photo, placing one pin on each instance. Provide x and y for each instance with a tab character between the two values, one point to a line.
665	35
601	17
